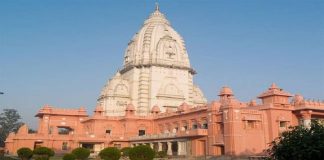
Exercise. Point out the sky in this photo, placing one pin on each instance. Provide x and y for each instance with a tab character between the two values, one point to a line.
62	53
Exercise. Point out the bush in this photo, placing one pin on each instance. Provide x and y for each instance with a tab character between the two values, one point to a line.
81	153
69	156
125	151
43	153
24	153
110	153
299	143
161	154
142	152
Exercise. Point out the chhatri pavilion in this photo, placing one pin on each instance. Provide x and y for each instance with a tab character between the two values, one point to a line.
153	101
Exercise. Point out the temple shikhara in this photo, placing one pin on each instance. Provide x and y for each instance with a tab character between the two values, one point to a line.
152	100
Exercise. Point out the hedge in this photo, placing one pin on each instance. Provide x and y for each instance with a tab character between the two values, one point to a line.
110	153
81	153
24	153
43	153
69	156
142	152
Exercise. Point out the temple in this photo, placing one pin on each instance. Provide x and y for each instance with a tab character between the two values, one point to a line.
153	101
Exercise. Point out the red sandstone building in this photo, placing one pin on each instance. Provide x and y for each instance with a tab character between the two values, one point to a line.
179	122
225	126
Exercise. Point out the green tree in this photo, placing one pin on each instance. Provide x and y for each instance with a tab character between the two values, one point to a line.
81	153
299	143
25	153
9	122
142	152
110	153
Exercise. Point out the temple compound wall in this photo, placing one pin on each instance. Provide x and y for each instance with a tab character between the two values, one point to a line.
223	127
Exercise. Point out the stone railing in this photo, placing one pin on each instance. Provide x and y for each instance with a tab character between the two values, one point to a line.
312	104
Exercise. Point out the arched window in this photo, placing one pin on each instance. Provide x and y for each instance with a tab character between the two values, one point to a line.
194	125
204	124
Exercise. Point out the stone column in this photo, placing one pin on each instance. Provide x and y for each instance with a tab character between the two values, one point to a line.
169	152
159	146
306	115
152	145
184	147
180	148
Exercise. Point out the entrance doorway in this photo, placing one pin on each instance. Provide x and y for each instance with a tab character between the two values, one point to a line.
89	146
174	147
38	144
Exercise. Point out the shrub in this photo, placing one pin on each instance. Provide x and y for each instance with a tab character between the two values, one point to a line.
299	143
142	152
24	153
125	151
43	153
110	153
161	154
69	156
81	153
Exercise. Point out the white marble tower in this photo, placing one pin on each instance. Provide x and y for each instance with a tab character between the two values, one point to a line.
156	71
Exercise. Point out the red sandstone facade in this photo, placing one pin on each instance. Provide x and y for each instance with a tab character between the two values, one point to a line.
225	126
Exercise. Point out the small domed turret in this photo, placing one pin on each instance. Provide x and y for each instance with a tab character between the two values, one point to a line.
98	111
298	98
155	109
130	110
226	91
183	107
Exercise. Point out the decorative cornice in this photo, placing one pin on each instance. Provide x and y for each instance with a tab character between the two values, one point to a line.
129	67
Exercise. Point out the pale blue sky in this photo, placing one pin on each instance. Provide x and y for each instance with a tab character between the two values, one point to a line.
62	52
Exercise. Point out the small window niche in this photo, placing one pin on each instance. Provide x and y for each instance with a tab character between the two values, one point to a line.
141	132
283	124
64	146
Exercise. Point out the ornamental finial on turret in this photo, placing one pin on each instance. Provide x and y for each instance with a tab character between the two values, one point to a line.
157	6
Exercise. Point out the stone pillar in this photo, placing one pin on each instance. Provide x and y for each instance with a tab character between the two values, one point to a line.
184	147
307	123
152	145
180	148
169	152
306	115
159	146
